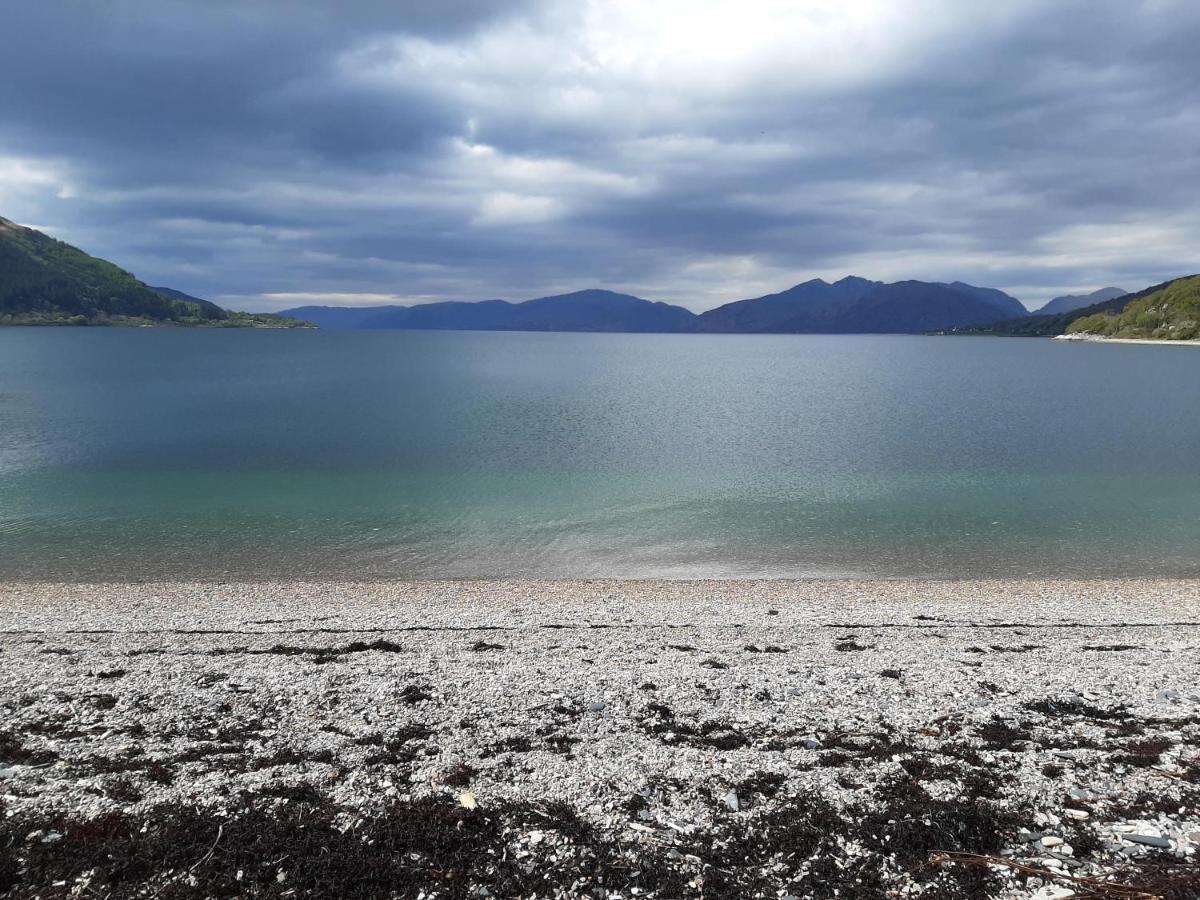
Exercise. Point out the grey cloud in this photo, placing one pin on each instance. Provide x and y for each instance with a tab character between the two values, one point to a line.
477	149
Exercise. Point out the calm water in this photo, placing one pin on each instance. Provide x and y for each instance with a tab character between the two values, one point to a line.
148	454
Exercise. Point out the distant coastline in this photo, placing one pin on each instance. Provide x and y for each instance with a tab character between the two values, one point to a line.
255	321
44	281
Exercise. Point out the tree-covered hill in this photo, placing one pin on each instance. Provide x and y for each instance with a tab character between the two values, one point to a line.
44	281
1054	325
1170	313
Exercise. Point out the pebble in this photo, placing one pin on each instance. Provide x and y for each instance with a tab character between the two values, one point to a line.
485	701
1052	892
1149	840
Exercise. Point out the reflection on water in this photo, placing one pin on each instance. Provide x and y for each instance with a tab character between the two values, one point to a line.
169	453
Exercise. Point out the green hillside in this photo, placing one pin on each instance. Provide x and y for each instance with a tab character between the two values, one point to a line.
1054	325
1171	313
44	281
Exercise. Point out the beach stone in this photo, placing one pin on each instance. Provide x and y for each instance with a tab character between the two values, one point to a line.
1149	840
597	706
1052	892
1051	841
490	707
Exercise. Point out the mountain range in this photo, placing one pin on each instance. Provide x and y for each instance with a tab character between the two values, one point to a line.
44	281
852	304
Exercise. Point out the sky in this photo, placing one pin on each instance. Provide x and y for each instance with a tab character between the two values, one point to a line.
267	155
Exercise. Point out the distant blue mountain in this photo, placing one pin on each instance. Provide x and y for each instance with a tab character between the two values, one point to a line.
856	306
591	310
1009	307
1071	302
341	318
916	307
851	305
812	301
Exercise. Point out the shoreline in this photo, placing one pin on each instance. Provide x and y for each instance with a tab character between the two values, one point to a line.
1094	339
685	738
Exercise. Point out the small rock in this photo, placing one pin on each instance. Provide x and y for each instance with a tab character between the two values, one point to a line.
1051	841
467	800
1077	814
598	706
1170	694
1081	794
1149	840
731	800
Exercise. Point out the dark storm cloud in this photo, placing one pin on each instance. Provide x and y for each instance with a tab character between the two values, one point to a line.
693	152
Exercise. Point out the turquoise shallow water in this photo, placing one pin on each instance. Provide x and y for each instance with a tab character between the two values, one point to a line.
152	454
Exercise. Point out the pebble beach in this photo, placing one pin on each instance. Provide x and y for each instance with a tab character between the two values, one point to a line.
614	739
